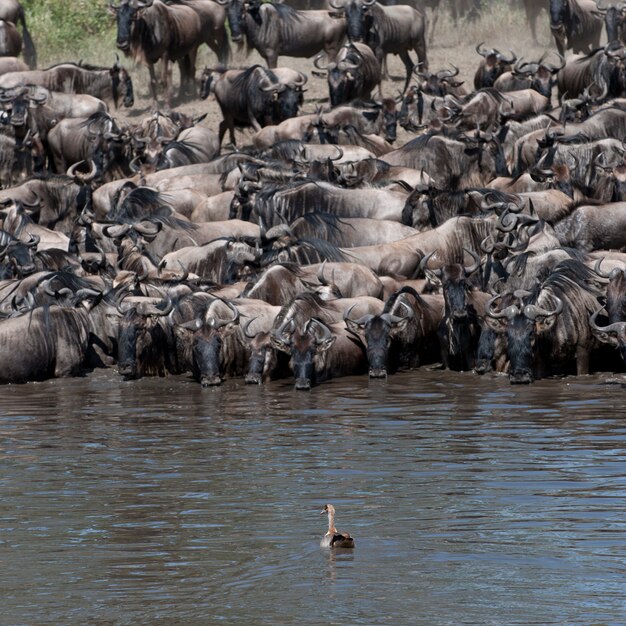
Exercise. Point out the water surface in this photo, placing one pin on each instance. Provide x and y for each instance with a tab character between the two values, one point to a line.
159	502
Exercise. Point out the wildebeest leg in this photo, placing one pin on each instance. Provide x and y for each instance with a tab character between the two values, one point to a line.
220	46
422	58
434	18
408	64
271	58
167	81
153	82
582	361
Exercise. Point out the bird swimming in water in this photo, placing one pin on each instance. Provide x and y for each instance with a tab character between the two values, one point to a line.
333	538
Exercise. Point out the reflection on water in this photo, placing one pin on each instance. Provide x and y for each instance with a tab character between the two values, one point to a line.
157	501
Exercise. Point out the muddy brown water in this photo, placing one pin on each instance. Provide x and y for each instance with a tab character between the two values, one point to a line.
159	502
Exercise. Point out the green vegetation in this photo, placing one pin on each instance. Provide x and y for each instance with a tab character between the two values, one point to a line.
70	30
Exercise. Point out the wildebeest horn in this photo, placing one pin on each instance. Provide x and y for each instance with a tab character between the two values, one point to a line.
161	309
532	311
510	61
472	268
616	327
114	7
246	326
448	73
520	294
424	263
223	2
320	275
84	178
510	312
315	326
360	322
213	323
611	275
153	229
33	241
316	62
267	85
141	4
302	79
556	68
507	222
336	5
483	53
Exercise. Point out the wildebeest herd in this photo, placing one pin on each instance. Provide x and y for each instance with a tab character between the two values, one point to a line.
490	241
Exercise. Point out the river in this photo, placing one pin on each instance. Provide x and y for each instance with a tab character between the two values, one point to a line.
158	502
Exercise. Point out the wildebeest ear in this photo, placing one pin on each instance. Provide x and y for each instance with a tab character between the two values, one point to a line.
498	325
337	14
370	116
228	329
544	324
353	327
432	277
279	344
399	326
192	325
323	345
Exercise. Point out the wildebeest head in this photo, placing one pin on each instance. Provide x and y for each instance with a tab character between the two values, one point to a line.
493	65
207	344
126	14
16	257
142	342
236	11
358	18
307	347
522	326
454	281
263	357
376	333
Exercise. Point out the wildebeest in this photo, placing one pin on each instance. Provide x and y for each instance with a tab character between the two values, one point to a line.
107	83
613	21
403	335
253	97
575	25
550	326
387	30
276	29
493	65
614	331
353	74
604	69
12	11
318	351
151	31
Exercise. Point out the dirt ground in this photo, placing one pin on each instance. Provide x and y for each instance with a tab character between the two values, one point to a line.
499	27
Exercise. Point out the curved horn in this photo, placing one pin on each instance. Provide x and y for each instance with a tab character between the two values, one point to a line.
533	311
360	322
219	323
483	53
615	327
84	178
315	326
510	312
320	275
472	268
246	326
424	262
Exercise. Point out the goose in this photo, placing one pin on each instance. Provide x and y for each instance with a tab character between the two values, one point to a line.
333	538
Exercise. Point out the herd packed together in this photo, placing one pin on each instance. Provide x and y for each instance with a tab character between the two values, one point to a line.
490	241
